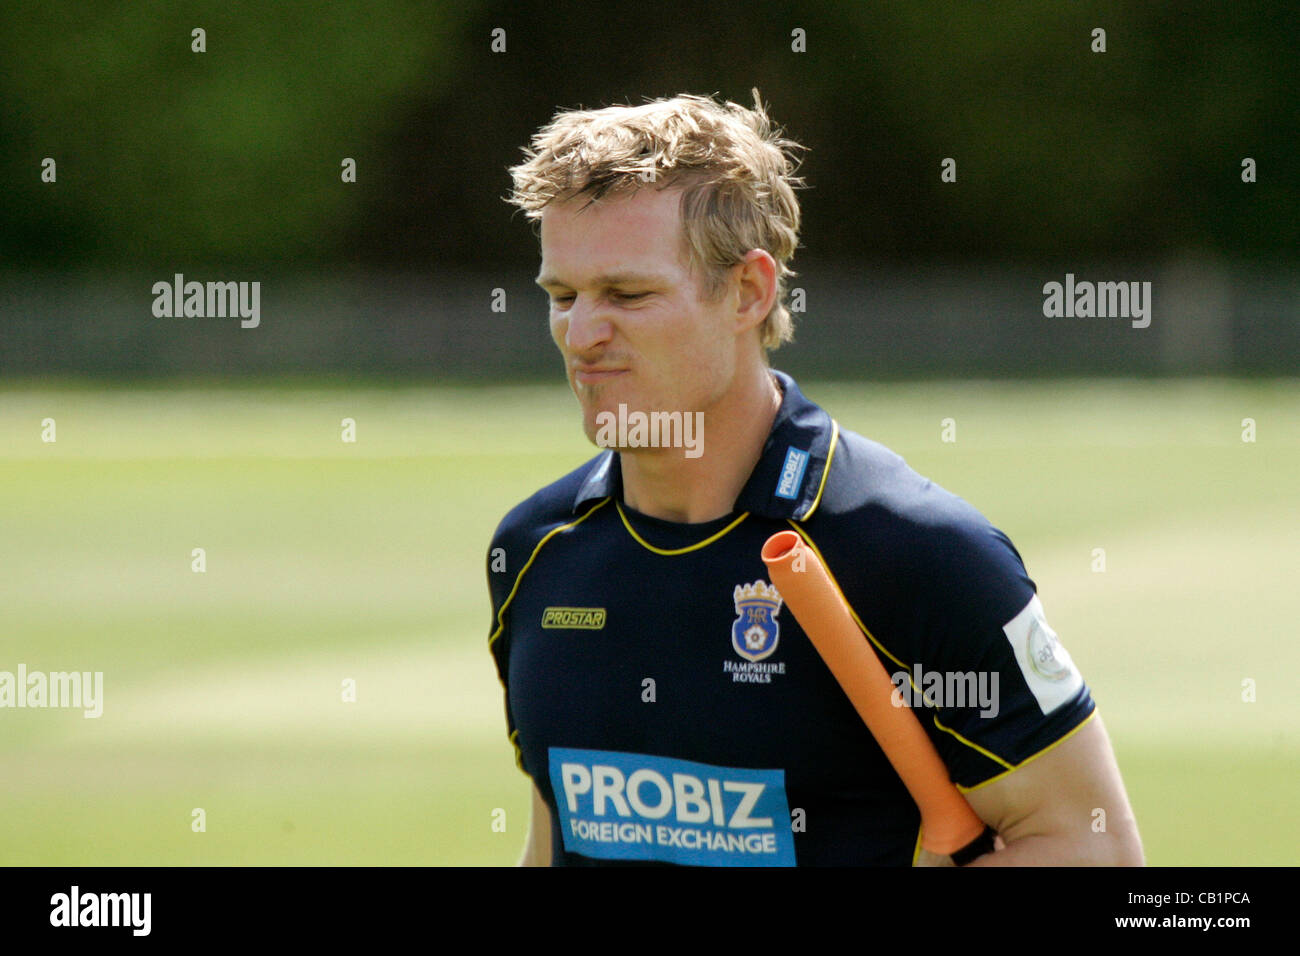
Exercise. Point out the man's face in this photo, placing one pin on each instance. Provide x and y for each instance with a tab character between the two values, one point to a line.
626	312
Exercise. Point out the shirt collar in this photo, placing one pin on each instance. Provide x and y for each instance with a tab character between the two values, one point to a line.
786	481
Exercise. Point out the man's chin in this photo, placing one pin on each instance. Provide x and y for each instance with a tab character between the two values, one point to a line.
595	412
590	426
601	429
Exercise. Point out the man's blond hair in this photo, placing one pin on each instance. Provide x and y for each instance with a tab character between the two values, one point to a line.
735	170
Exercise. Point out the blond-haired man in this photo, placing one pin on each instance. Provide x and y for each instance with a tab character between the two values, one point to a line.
663	706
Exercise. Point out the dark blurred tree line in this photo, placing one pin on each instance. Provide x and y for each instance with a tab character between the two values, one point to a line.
170	158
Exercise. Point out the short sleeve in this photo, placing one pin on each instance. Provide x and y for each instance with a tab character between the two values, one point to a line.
499	587
1005	686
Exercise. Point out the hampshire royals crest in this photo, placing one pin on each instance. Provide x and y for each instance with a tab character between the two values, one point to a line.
755	632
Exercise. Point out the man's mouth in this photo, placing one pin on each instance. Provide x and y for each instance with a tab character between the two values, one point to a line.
595	374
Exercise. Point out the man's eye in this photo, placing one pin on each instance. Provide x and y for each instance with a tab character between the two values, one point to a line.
566	300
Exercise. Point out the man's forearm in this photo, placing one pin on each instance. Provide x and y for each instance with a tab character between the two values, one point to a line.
1096	849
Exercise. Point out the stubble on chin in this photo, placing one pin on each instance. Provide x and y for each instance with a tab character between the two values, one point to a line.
589	406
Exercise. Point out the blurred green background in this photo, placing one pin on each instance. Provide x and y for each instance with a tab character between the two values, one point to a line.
232	156
226	165
329	561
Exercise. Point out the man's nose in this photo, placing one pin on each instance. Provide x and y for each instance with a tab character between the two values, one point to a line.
589	325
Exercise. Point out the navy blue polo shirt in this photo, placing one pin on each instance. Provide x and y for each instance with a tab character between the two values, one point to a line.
669	708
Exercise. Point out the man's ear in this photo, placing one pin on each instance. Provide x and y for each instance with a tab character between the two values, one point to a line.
755	277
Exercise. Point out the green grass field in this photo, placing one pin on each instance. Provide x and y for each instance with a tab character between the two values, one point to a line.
329	561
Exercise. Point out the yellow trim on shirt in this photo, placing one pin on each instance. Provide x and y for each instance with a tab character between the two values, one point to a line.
804	534
501	614
971	744
670	552
1012	769
519	754
906	668
835	437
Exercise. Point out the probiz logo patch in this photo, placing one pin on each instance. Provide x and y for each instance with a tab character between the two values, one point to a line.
796	462
624	806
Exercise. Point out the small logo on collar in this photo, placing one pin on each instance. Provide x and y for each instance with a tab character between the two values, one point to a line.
796	462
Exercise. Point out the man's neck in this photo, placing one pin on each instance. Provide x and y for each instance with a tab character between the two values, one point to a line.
664	483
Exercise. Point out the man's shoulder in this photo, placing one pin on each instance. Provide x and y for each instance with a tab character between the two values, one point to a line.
870	482
876	507
547	508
